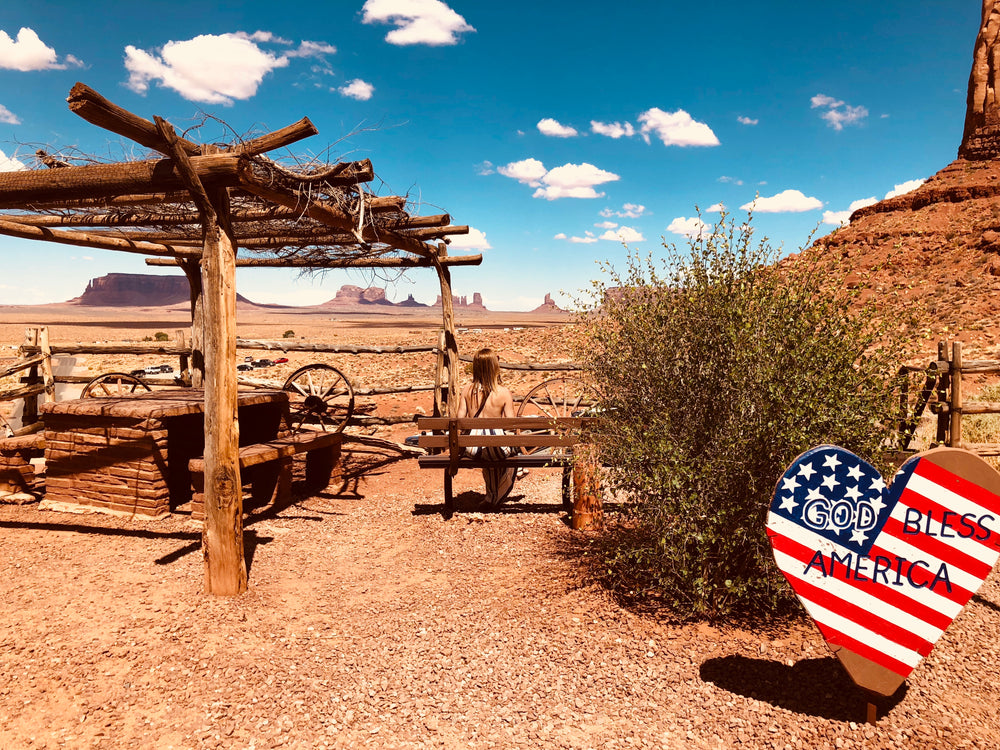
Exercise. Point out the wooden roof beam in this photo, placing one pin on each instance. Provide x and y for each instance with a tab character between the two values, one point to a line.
278	139
20	189
97	110
83	239
334	216
291	262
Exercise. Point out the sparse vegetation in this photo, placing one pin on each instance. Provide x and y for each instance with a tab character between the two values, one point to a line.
161	336
717	368
289	334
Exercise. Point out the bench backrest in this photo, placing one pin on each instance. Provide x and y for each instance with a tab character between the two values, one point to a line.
522	432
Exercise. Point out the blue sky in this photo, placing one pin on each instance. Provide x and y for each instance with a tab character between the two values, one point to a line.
554	129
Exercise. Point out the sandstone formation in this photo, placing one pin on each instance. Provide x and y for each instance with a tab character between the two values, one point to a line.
931	258
137	290
350	296
462	303
548	306
981	138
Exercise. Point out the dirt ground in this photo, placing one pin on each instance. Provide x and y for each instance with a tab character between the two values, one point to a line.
371	621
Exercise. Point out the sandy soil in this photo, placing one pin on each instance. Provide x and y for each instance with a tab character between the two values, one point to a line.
372	621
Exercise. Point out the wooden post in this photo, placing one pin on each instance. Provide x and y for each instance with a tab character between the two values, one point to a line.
192	269
222	537
450	340
942	396
180	338
439	376
955	407
29	414
588	508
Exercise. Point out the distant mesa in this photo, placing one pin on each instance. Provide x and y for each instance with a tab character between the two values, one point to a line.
351	296
137	290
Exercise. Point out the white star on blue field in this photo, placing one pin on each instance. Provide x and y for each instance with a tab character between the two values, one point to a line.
556	130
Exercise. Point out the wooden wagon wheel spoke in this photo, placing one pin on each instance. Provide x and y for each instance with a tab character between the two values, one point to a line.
113	385
555	398
320	394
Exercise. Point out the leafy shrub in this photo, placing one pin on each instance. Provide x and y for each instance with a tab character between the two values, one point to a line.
984	428
717	367
161	336
289	334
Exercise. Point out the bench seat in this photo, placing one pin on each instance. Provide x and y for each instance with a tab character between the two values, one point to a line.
268	467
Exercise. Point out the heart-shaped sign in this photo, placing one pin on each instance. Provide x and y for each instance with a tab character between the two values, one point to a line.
884	570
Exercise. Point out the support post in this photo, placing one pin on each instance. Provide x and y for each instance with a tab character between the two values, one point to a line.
955	407
439	376
192	269
29	415
588	506
450	340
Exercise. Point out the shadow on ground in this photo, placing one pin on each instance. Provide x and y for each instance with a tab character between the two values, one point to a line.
817	687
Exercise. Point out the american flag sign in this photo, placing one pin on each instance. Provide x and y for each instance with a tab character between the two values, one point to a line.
884	570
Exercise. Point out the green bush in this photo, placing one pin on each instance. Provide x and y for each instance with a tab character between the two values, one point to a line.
289	334
161	336
717	367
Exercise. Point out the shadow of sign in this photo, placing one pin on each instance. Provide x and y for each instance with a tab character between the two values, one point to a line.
817	687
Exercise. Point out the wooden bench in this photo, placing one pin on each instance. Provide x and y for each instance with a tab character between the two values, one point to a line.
268	467
551	439
17	475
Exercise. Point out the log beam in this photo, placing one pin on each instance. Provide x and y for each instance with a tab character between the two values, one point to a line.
84	239
286	136
97	110
292	262
20	189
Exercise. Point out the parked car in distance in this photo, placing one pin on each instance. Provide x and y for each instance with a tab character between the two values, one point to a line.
262	363
281	360
166	368
244	367
137	373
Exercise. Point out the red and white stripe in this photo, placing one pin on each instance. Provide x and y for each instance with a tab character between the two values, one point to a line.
895	626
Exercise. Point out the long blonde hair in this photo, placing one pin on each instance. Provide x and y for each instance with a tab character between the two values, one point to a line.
485	376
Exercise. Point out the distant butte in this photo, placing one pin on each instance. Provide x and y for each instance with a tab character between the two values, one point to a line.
935	251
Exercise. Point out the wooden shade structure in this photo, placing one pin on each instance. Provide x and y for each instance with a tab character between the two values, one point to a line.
210	209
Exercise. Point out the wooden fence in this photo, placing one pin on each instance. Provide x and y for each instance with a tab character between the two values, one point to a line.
36	353
943	394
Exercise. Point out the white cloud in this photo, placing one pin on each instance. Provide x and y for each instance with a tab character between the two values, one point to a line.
840	218
629	211
903	188
744	120
730	180
28	52
428	22
211	68
612	129
715	208
474	240
554	128
8	117
357	89
838	113
606	225
262	36
676	128
623	234
589	239
560	236
787	201
311	49
573	181
10	164
527	171
693	227
485	167
861	203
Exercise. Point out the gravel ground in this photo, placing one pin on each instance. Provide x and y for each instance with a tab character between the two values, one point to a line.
372	622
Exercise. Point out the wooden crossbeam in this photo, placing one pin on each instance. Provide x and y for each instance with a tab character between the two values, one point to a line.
20	189
291	235
292	262
85	239
335	217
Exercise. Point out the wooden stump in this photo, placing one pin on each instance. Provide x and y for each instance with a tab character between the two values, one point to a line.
588	509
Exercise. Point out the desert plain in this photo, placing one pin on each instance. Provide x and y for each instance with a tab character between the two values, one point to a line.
371	621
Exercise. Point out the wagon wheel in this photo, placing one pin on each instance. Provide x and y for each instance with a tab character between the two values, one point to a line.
113	385
320	394
558	397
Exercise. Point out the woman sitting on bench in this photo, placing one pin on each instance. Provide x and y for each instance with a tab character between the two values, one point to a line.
486	397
